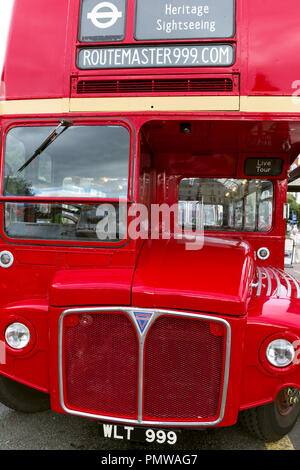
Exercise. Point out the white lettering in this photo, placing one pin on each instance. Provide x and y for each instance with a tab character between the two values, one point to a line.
95	57
136	57
186	10
204	54
159	25
116	436
171	26
86	57
102	58
110	52
158	56
112	460
129	430
107	430
167	56
117	57
224	55
126	56
214	55
144	54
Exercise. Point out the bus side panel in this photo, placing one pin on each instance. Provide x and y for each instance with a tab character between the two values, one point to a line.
40	29
273	47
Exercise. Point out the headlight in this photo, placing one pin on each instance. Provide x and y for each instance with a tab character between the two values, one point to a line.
17	335
280	353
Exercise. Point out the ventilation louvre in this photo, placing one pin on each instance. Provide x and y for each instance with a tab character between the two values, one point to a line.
154	86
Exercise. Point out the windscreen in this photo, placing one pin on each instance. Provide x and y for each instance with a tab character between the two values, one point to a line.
226	204
83	161
80	162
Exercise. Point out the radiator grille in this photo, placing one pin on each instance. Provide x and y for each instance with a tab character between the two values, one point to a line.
183	369
180	372
153	86
101	362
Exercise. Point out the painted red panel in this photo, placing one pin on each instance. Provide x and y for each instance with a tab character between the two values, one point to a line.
270	52
216	278
31	365
87	259
41	55
31	257
35	60
101	286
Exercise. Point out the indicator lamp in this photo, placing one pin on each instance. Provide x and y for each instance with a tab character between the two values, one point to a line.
263	253
6	259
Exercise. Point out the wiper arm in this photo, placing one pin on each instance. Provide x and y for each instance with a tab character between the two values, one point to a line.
63	125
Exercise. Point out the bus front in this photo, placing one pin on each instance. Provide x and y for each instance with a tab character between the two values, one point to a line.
145	149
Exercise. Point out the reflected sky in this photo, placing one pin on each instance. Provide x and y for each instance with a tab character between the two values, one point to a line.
83	160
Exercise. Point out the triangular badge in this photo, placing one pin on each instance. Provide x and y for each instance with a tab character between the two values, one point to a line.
142	319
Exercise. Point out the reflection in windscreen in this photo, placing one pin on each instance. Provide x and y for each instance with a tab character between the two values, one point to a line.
66	222
226	204
84	161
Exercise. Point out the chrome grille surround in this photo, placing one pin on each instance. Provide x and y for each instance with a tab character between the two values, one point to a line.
156	313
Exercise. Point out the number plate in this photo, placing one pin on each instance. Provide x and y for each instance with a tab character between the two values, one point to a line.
139	434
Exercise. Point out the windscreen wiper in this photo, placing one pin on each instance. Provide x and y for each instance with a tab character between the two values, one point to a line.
63	125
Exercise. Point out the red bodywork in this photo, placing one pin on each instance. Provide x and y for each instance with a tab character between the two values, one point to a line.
219	281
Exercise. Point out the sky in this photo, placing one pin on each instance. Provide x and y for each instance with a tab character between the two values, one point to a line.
5	11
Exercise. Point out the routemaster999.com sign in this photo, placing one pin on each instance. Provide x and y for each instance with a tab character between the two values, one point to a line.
157	20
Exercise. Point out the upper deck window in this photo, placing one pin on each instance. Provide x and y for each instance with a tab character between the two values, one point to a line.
82	162
226	204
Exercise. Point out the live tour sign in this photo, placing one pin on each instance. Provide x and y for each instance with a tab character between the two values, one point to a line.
157	20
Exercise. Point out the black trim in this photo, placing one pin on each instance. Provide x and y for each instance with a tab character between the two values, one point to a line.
293	189
294	175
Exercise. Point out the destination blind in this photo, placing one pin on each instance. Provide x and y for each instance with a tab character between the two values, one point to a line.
175	19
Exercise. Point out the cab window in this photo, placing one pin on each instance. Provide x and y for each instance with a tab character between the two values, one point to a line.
226	204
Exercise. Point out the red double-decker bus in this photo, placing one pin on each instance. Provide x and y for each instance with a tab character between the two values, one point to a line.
145	148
